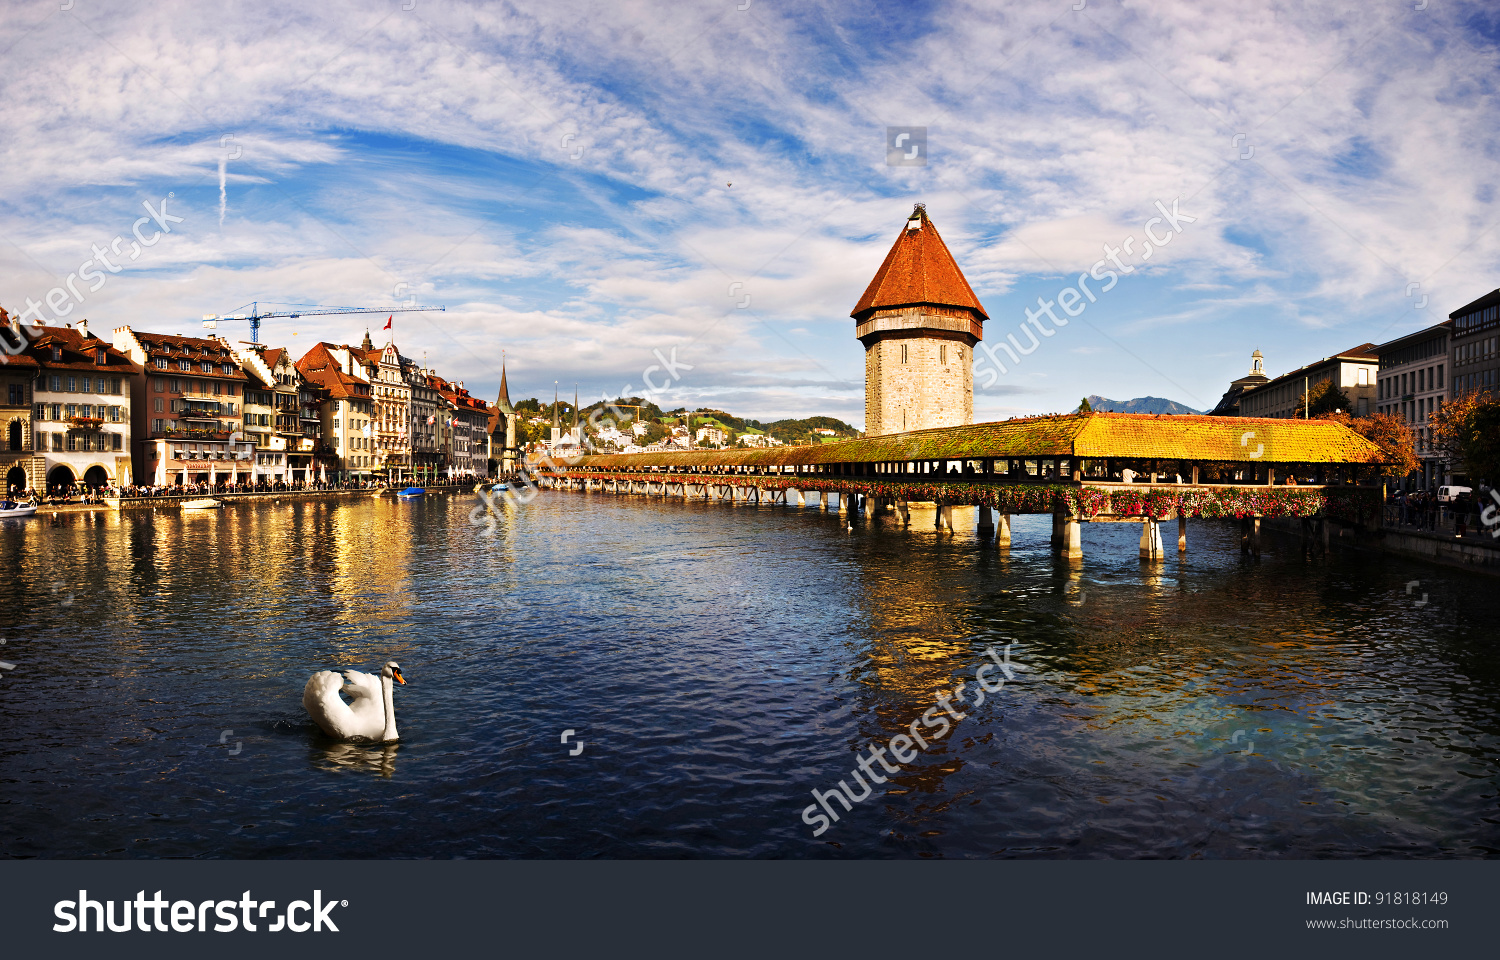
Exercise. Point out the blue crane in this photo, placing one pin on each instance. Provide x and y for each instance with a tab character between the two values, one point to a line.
211	320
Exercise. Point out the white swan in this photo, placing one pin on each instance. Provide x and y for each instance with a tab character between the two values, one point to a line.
370	713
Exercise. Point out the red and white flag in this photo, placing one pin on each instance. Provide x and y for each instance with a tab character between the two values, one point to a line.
431	420
388	322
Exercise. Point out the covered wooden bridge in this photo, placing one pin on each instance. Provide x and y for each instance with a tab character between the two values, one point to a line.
1081	468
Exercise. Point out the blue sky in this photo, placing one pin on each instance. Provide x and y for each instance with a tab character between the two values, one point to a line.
558	176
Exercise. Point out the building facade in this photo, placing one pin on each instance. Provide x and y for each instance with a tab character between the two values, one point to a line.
919	322
466	439
1353	371
346	411
259	415
81	411
384	369
1412	384
427	408
1474	348
187	409
23	467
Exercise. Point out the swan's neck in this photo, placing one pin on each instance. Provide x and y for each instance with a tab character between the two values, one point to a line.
388	690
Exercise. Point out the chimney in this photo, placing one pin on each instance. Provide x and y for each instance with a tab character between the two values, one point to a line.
83	328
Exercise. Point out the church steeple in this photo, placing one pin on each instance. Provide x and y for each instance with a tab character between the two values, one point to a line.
502	402
367	345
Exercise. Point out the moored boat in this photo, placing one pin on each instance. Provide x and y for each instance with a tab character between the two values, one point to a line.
10	508
411	493
207	503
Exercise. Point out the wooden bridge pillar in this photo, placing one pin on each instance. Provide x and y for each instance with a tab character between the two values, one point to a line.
903	510
1151	548
986	523
1002	531
1181	533
1057	530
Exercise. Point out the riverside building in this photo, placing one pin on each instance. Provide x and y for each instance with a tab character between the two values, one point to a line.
81	411
187	409
347	410
1475	346
1412	385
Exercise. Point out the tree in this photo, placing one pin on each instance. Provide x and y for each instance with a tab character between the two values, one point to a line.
1387	432
523	432
654	432
1321	398
1085	406
1467	430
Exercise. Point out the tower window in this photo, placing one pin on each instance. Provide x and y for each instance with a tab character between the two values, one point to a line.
942	353
903	353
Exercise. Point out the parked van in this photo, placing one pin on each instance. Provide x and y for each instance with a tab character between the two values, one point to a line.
1449	494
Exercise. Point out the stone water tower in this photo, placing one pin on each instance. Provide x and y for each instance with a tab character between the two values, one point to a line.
919	322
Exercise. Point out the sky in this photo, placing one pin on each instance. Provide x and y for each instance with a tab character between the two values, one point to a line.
685	200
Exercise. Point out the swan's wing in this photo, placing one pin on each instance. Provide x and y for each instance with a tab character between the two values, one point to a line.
366	701
362	685
321	700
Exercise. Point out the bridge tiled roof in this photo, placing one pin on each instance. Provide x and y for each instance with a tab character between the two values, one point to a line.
1089	436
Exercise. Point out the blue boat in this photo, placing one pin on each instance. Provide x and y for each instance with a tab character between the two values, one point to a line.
411	493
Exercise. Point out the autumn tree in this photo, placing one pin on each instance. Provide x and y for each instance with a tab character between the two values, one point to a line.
1387	432
1467	430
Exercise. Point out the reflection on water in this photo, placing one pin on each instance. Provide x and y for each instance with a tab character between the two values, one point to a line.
379	758
719	662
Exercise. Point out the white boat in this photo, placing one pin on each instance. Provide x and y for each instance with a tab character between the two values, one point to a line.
9	508
208	503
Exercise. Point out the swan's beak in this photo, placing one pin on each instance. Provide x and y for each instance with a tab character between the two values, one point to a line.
397	675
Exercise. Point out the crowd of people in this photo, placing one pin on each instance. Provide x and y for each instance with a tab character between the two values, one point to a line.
1423	510
81	493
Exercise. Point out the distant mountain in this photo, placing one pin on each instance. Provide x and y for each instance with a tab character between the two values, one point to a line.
1139	405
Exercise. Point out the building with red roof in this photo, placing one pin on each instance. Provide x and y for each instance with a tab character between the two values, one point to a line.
466	438
187	409
346	410
67	415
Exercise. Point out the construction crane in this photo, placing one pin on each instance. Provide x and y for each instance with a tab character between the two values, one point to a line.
211	320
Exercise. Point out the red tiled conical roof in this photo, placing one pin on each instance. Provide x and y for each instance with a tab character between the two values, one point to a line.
919	269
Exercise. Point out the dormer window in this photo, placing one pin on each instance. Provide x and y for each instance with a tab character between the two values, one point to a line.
56	354
102	357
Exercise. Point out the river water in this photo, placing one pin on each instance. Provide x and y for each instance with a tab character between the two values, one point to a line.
718	663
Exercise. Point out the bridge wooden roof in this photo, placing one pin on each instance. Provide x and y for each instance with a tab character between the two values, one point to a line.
1084	435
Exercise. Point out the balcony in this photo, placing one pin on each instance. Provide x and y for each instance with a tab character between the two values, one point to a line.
193	433
85	423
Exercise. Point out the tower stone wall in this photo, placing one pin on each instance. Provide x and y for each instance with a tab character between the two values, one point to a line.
917	382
